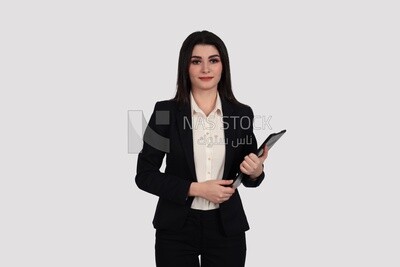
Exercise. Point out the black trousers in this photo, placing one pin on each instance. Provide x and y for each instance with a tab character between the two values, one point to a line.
201	236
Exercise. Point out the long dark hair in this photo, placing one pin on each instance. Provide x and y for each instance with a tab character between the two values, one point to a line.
183	85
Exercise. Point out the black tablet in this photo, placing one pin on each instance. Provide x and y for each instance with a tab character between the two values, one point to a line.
269	141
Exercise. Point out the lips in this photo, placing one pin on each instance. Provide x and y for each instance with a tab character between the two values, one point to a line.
205	78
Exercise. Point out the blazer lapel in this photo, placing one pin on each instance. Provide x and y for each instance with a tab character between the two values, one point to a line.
184	122
230	134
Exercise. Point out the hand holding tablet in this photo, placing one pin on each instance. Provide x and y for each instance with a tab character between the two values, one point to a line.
269	142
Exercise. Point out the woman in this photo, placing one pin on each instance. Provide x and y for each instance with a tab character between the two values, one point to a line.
207	137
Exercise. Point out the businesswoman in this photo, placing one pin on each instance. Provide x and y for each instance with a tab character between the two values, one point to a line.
207	137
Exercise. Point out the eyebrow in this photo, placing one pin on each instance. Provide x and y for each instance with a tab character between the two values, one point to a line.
208	57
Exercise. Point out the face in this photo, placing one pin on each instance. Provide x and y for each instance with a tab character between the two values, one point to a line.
205	68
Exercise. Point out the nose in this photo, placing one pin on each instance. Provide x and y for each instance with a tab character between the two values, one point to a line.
205	68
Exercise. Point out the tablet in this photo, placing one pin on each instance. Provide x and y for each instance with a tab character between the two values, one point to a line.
269	141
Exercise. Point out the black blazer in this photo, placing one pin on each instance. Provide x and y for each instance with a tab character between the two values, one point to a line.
169	133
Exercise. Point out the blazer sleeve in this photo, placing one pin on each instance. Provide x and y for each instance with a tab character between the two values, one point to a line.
148	175
251	148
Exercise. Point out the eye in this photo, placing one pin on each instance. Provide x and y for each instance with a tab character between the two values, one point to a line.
196	62
214	60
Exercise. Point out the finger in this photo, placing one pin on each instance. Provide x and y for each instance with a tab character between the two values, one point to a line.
265	153
249	166
244	170
228	197
223	200
224	182
253	157
228	191
253	163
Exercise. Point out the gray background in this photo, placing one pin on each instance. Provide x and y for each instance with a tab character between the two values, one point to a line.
327	71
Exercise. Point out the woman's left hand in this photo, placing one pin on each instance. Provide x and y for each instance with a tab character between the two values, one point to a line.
253	165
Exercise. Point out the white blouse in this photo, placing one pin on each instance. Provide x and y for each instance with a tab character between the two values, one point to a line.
208	148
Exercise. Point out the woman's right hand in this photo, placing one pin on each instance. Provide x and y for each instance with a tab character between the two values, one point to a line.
216	191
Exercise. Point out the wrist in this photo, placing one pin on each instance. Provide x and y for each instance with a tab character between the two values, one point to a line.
256	175
195	189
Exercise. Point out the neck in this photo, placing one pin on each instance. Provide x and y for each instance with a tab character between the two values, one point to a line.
205	99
